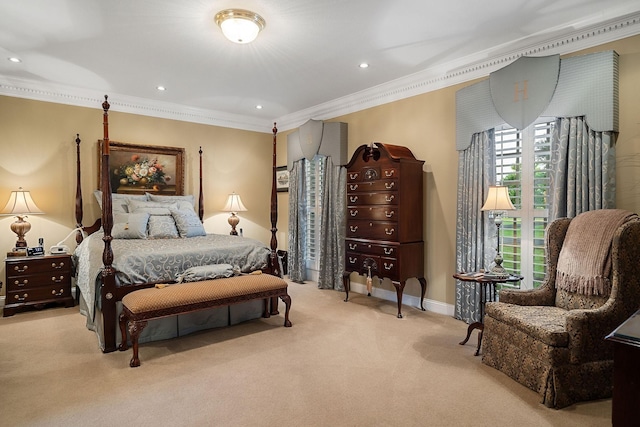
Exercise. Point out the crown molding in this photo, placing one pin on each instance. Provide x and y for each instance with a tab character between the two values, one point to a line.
478	65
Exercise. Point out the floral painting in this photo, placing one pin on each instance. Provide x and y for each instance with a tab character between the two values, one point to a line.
136	169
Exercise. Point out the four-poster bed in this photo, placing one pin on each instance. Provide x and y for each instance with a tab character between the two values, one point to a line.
109	268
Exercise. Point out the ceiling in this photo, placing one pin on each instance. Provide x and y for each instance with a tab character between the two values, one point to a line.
304	64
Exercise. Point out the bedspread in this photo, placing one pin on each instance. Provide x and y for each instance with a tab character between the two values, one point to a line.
155	260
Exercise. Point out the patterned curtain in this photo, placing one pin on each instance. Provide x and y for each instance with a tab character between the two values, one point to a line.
297	224
474	232
333	226
583	166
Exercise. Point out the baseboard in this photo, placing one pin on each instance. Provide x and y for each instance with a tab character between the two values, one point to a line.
2	300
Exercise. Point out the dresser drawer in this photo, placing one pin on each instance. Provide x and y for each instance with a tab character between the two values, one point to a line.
372	248
362	262
33	266
372	173
376	230
378	213
39	294
382	198
378	185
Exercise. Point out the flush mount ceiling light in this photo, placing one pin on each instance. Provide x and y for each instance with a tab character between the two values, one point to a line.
239	25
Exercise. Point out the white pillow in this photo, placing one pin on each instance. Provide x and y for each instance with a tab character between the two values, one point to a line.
119	202
183	202
153	208
188	223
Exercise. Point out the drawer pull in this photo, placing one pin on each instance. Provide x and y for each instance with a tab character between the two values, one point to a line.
352	260
21	269
388	251
353	187
389	198
353	246
389	232
389	185
23	298
353	175
57	294
389	214
353	228
57	280
353	212
388	266
24	282
57	266
389	173
353	199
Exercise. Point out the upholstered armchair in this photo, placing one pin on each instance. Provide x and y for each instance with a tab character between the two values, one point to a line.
551	339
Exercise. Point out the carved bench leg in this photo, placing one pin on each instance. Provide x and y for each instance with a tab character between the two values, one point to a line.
287	302
135	329
124	345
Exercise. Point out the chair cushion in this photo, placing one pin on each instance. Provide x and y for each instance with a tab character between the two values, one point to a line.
544	323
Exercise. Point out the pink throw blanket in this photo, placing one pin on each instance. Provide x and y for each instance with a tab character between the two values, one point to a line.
584	264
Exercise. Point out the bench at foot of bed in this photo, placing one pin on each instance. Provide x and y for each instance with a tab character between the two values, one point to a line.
152	303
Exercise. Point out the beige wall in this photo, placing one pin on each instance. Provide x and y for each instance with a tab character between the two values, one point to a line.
37	152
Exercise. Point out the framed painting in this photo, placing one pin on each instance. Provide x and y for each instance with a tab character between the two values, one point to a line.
282	179
139	169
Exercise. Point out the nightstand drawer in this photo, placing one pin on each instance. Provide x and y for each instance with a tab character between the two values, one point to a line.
38	265
39	294
30	281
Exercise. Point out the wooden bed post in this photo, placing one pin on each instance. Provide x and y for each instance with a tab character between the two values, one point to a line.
275	265
201	195
79	212
108	286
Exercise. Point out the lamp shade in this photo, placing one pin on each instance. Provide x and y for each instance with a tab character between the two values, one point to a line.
239	25
234	204
20	203
498	199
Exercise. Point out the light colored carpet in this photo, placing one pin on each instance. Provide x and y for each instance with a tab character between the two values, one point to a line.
341	364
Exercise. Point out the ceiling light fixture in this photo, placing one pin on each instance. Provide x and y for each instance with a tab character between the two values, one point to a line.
14	59
161	88
239	25
364	65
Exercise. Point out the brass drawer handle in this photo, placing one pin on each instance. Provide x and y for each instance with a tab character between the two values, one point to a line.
353	175
388	266
389	214
57	266
389	198
21	270
389	232
389	186
24	297
57	280
57	294
353	212
352	260
353	187
353	246
353	228
388	251
353	199
389	173
24	282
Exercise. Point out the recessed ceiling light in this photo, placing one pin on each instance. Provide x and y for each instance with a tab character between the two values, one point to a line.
14	59
161	88
364	65
259	107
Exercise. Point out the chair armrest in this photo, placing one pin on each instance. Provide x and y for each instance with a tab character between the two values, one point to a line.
540	296
587	329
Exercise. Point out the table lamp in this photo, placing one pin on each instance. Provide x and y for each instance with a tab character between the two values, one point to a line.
497	203
20	204
234	205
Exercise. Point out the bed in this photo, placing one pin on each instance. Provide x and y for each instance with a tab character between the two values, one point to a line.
109	265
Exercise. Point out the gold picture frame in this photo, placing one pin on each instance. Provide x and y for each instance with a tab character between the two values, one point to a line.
282	179
139	169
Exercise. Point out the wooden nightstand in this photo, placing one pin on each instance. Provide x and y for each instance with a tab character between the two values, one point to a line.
37	281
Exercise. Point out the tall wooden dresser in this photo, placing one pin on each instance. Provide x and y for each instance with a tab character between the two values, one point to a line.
384	235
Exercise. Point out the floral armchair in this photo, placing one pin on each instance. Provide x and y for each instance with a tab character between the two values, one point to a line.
551	339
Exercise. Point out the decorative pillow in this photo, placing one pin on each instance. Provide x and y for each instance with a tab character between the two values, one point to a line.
119	202
183	202
188	223
162	227
206	272
130	225
153	208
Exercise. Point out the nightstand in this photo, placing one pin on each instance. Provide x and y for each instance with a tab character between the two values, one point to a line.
37	281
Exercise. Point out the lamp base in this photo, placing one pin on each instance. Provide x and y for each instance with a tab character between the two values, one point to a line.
233	221
498	270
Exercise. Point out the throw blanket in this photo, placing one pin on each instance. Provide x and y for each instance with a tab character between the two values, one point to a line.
584	264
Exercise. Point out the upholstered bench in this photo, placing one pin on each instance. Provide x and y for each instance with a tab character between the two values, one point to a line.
140	306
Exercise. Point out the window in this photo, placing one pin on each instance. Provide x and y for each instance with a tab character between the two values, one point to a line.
314	187
523	164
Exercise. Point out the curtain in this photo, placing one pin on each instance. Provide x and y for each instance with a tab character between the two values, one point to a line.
332	226
297	223
474	232
583	164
